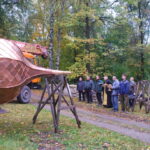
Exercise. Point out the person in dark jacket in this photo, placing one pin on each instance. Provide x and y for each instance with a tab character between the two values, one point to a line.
115	93
80	89
124	92
107	93
89	87
98	89
131	96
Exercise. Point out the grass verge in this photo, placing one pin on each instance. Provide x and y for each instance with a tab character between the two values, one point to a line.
18	133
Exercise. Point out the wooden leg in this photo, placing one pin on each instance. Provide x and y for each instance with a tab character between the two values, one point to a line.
52	106
60	98
39	106
72	103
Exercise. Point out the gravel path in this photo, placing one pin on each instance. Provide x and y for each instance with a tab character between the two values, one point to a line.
134	129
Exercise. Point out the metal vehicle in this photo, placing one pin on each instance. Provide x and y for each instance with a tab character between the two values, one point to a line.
30	51
35	83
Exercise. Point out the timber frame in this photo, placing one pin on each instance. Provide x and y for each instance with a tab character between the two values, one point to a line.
55	86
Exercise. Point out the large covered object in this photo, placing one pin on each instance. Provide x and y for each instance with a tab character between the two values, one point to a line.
34	49
16	71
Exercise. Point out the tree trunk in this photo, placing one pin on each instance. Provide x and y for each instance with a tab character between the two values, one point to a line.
58	48
141	38
62	3
87	35
87	31
51	38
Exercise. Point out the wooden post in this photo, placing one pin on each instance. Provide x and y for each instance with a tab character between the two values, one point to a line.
72	103
60	93
52	106
39	106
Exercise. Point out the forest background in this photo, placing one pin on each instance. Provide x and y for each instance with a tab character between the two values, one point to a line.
87	37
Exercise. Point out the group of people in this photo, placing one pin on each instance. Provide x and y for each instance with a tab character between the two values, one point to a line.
108	93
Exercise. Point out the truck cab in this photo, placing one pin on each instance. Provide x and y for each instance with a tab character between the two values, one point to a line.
25	93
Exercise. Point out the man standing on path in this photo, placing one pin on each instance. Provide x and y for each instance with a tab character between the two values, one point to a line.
88	89
98	89
132	89
115	93
80	89
124	91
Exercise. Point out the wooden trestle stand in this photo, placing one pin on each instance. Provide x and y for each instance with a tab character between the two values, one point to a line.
55	86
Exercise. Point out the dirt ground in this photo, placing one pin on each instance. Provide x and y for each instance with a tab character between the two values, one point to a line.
123	123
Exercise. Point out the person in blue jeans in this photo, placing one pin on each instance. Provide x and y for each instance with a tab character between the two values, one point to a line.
115	93
124	93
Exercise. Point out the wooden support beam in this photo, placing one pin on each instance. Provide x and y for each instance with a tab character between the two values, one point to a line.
60	98
39	106
53	110
55	86
72	103
70	106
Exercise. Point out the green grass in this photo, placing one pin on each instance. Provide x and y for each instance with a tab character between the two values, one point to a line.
18	133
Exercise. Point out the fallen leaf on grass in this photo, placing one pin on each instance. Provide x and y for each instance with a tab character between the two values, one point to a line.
106	145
